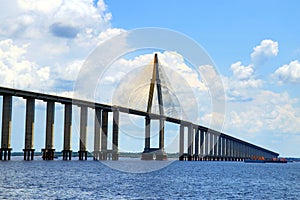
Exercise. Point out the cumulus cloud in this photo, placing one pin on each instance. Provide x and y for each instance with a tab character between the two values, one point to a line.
109	33
18	72
289	73
68	72
241	72
243	83
241	90
253	112
269	111
70	16
56	31
57	34
264	51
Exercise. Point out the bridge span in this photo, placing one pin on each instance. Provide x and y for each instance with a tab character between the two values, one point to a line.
202	143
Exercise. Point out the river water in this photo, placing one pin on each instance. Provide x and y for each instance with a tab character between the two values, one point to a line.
175	180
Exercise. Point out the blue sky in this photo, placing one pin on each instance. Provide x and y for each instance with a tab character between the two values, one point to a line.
255	46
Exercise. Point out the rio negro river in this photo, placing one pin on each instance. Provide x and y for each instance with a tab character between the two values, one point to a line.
177	180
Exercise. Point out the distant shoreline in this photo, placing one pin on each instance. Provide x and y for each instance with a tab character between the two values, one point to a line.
127	155
75	154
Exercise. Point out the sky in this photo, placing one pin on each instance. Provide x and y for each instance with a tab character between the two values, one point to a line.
254	45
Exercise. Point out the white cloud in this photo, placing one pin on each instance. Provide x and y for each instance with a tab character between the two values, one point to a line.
241	90
243	84
57	34
18	72
109	33
268	111
68	72
39	5
289	73
241	72
63	19
254	113
264	51
56	31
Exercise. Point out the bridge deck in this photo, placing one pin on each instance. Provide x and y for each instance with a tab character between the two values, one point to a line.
109	108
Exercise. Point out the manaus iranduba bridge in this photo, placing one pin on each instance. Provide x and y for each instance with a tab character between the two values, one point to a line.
202	142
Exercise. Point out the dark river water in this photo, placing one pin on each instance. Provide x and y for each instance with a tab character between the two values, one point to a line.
170	180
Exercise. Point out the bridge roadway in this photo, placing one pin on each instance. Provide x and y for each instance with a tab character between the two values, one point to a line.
202	143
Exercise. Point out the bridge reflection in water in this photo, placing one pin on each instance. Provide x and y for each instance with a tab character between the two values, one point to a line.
202	143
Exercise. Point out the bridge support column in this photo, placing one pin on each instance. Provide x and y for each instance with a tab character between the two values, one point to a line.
147	132
154	153
215	147
247	152
48	151
29	129
147	155
227	149
231	150
223	149
211	146
202	147
236	150
190	142
5	151
115	150
244	152
239	153
104	127
181	142
219	141
161	154
206	154
196	154
97	134
82	153
67	152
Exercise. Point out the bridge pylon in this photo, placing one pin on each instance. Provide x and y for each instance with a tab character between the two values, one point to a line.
155	153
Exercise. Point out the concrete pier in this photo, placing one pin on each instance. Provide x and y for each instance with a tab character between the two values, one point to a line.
227	149
161	133
196	154
154	153
29	129
181	142
147	132
104	129
48	151
5	151
97	134
215	146
115	138
219	144
160	153
223	152
211	145
190	142
231	150
82	153
202	146
67	152
147	153
206	154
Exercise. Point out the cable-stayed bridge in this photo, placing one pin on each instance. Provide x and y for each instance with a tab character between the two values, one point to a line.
201	143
